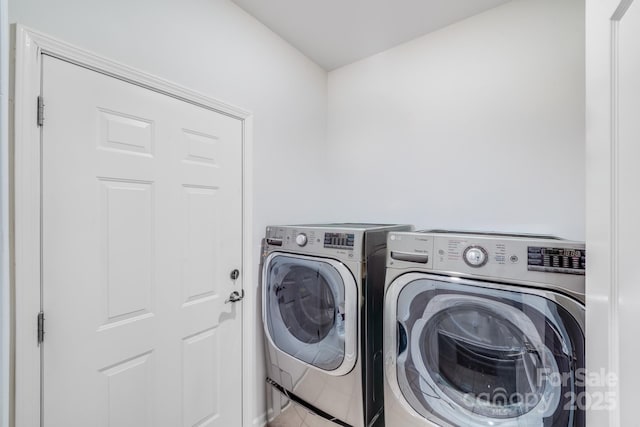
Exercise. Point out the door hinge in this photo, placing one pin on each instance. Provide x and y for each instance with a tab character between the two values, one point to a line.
40	327
40	111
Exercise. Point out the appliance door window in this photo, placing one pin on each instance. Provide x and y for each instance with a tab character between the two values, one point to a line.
475	356
305	309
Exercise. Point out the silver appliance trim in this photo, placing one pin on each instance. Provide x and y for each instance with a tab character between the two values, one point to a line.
506	284
492	234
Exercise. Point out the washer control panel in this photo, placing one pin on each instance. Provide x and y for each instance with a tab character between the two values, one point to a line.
475	256
556	260
534	259
331	242
339	240
301	239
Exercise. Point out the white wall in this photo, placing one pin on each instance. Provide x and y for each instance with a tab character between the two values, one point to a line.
215	48
477	126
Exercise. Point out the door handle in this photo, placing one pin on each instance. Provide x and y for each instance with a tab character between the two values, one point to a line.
235	296
410	257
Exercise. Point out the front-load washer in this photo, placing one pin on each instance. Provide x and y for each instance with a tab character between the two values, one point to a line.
484	330
322	288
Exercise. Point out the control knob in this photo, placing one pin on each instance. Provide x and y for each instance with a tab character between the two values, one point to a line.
475	256
301	239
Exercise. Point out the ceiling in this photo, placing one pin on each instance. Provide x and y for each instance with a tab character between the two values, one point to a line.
334	33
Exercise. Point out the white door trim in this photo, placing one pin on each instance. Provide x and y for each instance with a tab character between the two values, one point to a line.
603	21
30	46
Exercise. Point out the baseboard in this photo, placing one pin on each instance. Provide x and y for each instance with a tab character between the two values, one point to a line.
260	421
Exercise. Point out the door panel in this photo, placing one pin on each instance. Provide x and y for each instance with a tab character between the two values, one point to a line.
141	227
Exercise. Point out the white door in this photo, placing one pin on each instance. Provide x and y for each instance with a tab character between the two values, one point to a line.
141	228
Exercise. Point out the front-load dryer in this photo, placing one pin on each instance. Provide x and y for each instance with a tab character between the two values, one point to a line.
484	330
322	288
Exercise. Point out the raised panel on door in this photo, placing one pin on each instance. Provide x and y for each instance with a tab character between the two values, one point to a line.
127	250
141	227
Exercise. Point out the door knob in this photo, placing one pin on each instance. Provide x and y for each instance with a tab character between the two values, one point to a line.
235	296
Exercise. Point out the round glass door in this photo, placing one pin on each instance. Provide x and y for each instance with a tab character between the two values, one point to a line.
307	304
304	303
475	356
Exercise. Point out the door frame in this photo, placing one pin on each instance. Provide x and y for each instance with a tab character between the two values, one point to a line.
30	46
604	285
